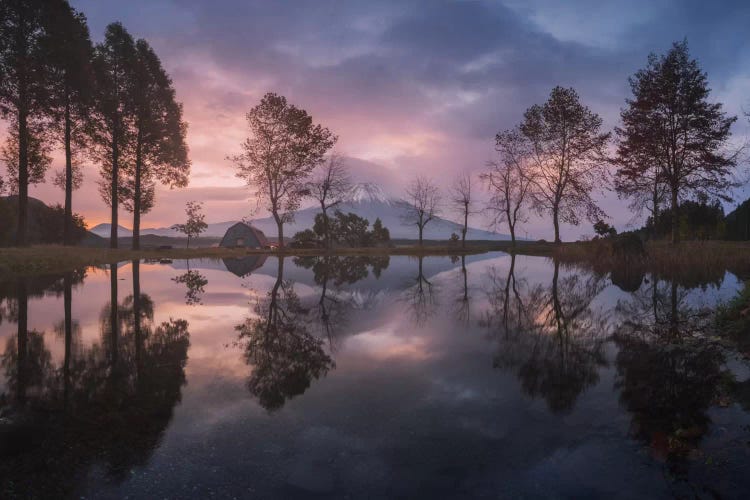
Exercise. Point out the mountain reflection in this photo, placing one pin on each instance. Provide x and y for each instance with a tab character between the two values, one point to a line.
107	403
331	273
284	355
549	336
668	371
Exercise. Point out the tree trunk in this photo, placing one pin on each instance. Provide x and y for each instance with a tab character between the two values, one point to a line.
23	178
512	228
420	236
137	194
466	226
115	188
326	226
675	218
556	221
280	225
68	223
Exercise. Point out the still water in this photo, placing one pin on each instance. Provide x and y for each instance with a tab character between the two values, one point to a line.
491	376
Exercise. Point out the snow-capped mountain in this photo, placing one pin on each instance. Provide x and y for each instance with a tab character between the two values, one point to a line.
367	200
367	192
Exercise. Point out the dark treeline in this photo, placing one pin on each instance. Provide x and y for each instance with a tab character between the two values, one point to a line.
111	103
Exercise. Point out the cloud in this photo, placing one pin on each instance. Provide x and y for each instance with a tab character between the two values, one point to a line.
409	86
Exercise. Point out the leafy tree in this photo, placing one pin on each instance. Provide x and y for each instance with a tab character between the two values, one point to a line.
380	234
348	229
329	188
567	158
672	136
460	198
113	129
38	159
344	229
24	88
195	224
603	229
508	180
422	204
161	153
71	92
283	148
698	220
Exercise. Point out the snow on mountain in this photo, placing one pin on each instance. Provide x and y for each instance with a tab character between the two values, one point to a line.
367	192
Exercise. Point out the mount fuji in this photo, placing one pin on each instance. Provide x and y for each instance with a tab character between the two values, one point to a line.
367	200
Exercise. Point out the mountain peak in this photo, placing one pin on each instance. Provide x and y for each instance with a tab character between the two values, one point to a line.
367	192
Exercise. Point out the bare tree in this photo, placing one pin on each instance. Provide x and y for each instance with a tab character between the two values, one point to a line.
283	148
509	180
422	204
329	187
568	158
460	199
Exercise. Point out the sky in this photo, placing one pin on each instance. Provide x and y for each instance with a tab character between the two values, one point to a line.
410	87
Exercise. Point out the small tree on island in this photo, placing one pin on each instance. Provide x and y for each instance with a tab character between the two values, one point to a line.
422	204
283	148
195	224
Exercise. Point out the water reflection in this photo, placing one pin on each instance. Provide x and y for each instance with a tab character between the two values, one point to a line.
668	371
421	296
332	274
195	283
106	403
285	357
549	336
95	400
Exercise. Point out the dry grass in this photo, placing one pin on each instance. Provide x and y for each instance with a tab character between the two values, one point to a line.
689	262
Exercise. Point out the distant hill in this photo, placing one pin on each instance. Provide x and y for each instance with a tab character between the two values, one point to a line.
45	223
367	200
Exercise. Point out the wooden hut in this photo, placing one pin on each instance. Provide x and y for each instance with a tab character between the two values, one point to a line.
245	236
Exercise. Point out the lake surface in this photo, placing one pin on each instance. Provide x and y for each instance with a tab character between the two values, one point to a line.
438	377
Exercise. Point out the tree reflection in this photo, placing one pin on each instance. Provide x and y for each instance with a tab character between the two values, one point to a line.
284	355
668	371
194	282
108	403
462	309
550	337
422	296
331	273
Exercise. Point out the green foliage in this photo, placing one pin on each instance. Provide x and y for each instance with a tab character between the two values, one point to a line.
737	223
603	229
195	224
346	230
698	220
